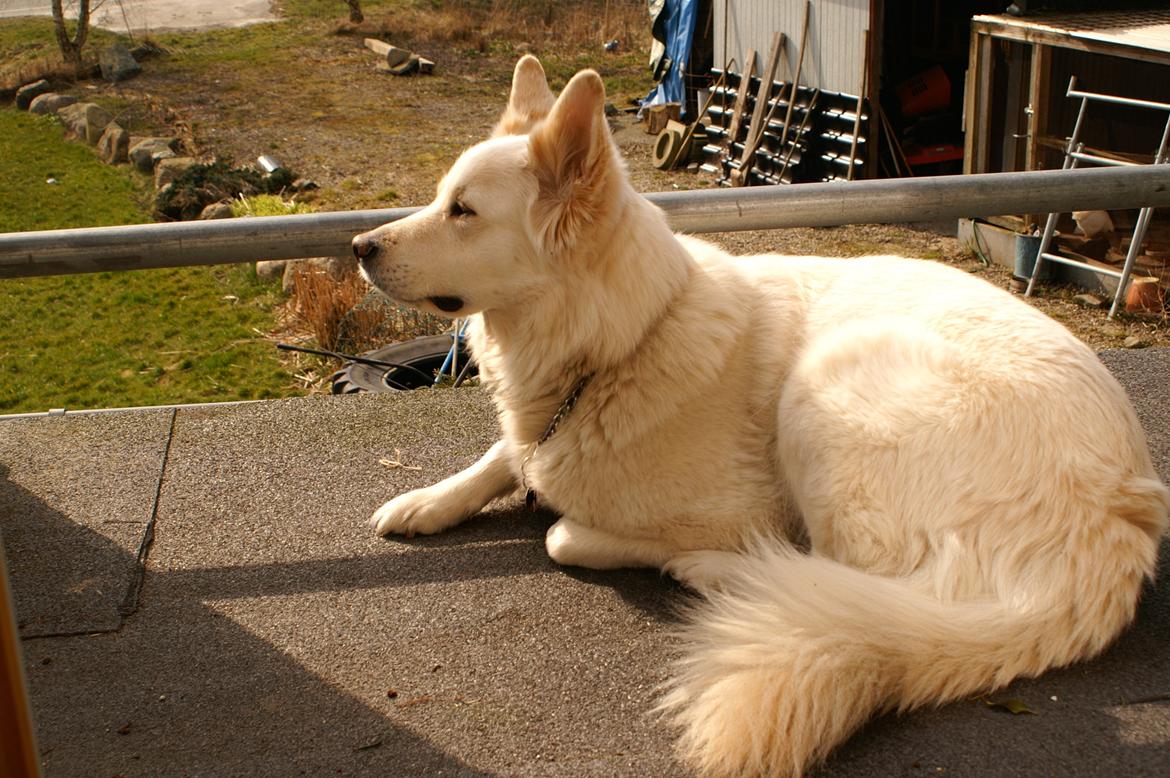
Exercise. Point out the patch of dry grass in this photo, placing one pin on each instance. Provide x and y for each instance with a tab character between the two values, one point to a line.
320	300
538	25
340	312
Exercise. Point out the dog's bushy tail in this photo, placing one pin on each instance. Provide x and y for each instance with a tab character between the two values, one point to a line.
797	651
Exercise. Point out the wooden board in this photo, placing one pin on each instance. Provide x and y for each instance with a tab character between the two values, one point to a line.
760	110
741	95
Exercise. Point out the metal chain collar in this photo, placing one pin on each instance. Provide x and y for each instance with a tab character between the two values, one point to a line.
565	408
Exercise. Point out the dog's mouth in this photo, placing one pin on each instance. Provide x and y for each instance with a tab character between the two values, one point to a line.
446	304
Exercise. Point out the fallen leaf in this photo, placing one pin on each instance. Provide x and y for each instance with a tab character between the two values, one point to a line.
1011	705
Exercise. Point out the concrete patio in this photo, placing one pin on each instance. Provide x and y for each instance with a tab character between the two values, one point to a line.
268	632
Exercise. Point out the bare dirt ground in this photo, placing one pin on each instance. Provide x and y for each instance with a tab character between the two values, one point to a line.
372	140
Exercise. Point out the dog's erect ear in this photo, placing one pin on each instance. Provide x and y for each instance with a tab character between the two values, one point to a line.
530	100
572	158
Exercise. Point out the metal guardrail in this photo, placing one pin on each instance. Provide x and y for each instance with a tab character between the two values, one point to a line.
53	252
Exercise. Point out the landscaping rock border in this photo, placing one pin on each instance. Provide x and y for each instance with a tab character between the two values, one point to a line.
114	144
95	125
50	103
27	93
159	156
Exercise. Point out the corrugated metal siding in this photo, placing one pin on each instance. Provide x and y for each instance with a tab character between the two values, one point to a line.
833	54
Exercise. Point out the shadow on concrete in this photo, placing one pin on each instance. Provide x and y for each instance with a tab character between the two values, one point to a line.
650	591
180	689
81	577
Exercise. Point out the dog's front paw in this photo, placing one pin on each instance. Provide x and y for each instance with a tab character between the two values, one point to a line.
421	512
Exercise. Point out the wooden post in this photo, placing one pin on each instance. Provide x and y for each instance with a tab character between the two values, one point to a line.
1038	103
1014	142
1038	84
796	77
745	83
760	112
860	102
18	751
977	104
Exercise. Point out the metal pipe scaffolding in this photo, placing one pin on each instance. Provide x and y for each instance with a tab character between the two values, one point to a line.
175	244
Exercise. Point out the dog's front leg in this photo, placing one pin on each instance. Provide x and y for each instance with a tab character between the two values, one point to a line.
447	503
571	543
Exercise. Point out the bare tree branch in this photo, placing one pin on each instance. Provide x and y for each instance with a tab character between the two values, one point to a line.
71	45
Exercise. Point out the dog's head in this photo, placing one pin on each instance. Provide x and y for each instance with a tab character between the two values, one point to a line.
509	209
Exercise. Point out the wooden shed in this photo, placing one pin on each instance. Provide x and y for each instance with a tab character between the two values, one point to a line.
1017	114
883	48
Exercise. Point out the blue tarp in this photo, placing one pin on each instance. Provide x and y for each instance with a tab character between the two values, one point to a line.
674	32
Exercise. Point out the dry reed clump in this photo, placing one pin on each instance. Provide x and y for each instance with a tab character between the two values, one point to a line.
52	69
342	313
542	24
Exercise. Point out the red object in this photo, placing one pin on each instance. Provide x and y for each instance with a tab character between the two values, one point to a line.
1144	294
917	156
928	91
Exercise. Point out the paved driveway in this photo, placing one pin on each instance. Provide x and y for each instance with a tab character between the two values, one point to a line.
150	15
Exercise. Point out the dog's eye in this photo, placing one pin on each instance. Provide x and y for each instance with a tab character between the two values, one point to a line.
459	209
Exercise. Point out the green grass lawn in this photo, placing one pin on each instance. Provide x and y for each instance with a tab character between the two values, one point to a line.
117	339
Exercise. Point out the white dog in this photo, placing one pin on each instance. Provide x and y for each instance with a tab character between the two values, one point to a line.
896	484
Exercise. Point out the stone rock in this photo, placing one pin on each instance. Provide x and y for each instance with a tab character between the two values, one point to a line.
68	113
142	151
219	211
1089	301
1136	341
1112	329
159	156
286	280
167	170
114	145
335	266
272	269
86	121
26	94
118	64
50	102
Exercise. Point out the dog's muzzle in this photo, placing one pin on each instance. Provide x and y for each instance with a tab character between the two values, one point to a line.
364	247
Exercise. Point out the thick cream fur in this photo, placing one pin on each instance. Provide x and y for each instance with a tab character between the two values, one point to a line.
896	484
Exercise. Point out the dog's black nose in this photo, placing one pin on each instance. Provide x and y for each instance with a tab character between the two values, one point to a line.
364	248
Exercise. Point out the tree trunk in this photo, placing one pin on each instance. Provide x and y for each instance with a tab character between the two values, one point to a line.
71	46
355	11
